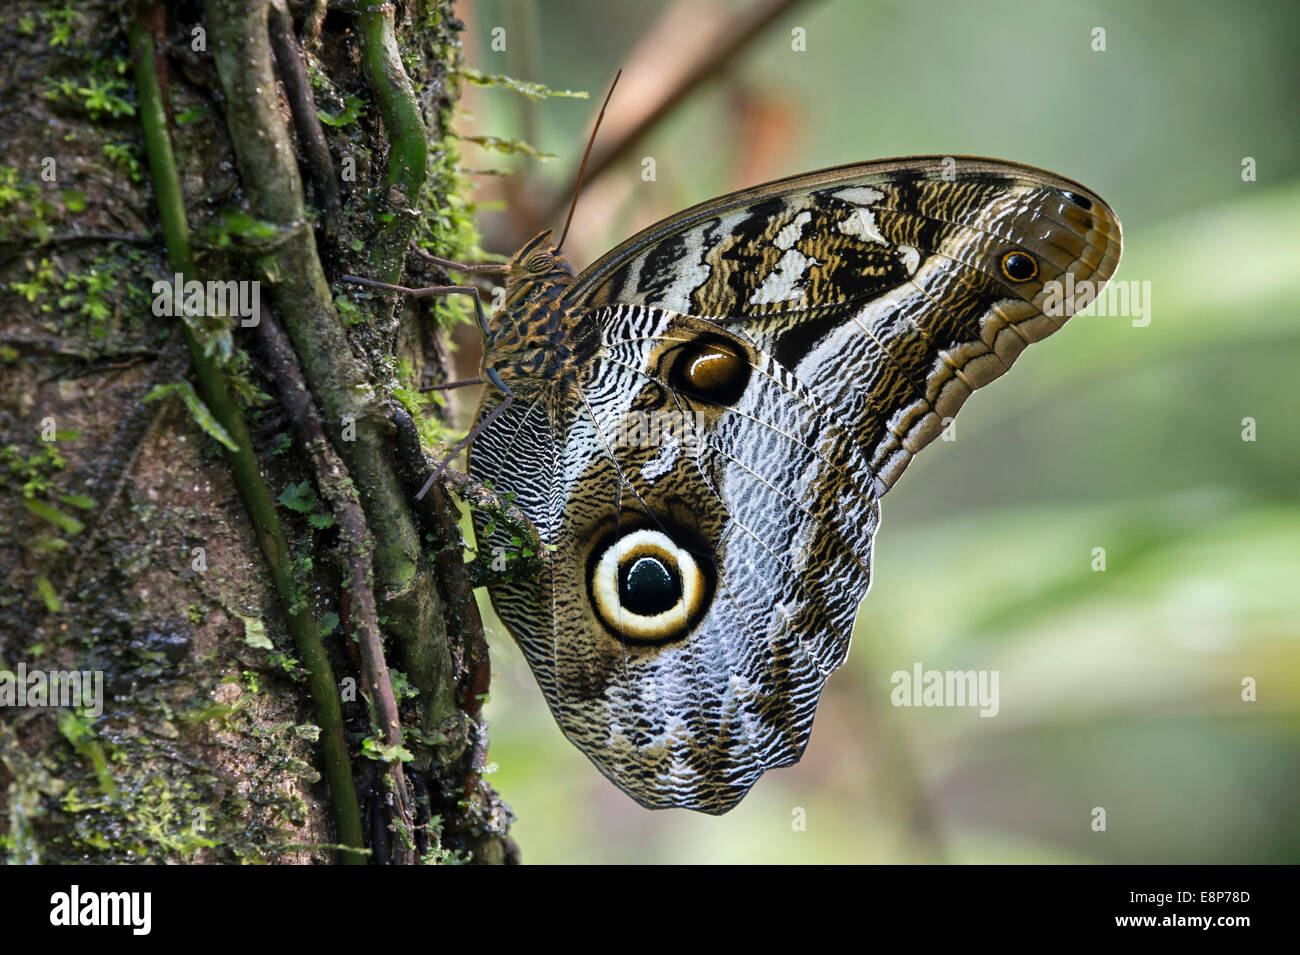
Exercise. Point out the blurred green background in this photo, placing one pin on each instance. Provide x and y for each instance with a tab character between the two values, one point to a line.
1119	689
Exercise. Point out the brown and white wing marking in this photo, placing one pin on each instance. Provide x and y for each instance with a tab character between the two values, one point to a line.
712	536
768	364
892	290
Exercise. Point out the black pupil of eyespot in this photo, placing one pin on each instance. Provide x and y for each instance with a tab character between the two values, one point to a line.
1078	200
1019	266
712	371
648	586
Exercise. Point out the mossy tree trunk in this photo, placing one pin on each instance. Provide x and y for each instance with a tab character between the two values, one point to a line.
292	662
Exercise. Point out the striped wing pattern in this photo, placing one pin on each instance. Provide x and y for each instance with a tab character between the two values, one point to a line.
879	286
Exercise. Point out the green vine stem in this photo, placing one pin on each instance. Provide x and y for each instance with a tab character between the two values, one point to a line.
243	462
408	144
339	379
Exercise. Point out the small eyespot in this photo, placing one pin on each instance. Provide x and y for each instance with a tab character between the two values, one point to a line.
646	588
1019	267
1081	201
713	370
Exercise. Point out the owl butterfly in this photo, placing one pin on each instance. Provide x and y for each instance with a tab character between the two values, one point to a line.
701	425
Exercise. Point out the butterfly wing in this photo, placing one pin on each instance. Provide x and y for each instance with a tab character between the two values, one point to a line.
883	286
684	695
767	365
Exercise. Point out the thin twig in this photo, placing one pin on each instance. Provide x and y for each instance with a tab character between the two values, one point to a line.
22	245
312	22
700	61
243	462
293	73
463	618
61	348
72	238
337	489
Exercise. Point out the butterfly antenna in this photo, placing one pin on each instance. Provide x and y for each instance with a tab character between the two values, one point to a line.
583	168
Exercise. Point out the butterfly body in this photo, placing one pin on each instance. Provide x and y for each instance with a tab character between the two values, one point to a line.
532	342
701	425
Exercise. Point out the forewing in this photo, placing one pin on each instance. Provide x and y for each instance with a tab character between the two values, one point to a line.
882	286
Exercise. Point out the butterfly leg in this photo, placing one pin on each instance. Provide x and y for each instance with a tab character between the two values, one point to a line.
451	266
495	379
426	292
453	384
490	374
415	468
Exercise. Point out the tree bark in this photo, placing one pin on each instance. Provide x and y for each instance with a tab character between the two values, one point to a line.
292	662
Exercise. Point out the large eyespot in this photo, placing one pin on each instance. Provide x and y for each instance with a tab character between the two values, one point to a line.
1019	267
712	369
645	588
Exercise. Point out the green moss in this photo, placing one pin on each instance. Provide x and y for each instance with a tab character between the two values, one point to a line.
94	81
39	287
533	91
126	156
402	384
98	309
33	474
191	114
117	792
106	95
353	107
60	25
13	187
24	209
509	146
349	312
437	854
217	713
91	294
446	227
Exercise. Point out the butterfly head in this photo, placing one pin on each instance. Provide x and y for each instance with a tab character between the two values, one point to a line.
538	271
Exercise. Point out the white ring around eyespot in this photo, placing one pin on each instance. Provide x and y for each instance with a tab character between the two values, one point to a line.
604	586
